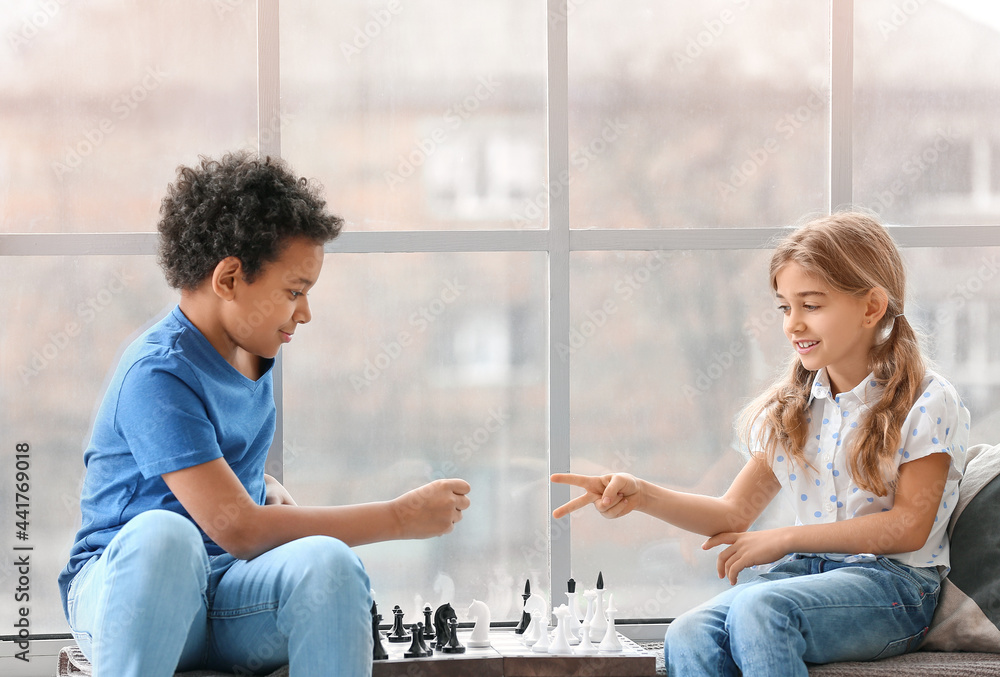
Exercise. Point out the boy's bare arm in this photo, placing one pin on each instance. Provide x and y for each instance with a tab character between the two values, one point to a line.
618	494
217	501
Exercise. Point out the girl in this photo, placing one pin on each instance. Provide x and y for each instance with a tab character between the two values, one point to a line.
866	443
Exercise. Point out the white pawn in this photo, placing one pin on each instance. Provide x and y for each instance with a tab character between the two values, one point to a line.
537	609
481	632
598	624
586	647
610	641
542	645
590	596
560	642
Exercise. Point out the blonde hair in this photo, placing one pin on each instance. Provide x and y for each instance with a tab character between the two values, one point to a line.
852	253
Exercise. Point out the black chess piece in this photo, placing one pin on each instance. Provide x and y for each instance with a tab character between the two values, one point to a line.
378	651
415	650
453	646
525	616
428	628
600	580
398	632
442	617
423	645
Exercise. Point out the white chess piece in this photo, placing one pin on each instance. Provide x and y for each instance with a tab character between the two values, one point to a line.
536	607
586	647
610	641
481	632
574	607
560	641
541	645
590	596
599	623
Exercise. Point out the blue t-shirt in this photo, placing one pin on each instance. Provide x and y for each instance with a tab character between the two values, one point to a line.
173	403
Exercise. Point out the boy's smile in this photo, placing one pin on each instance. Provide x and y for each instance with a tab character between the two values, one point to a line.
245	320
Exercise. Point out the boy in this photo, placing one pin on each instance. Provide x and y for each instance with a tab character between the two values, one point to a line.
189	556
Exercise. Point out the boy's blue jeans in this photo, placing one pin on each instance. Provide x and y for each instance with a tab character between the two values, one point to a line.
154	602
805	610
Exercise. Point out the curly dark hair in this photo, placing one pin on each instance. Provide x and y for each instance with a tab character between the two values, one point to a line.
238	206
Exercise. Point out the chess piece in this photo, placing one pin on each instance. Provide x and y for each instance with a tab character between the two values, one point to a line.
453	646
378	651
541	645
560	640
525	616
537	610
423	644
599	624
590	596
415	650
574	602
398	632
429	634
442	617
586	647
610	641
481	632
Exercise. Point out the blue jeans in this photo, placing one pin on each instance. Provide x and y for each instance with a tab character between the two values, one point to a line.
805	610
155	602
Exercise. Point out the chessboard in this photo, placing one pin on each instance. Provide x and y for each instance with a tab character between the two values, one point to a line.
509	657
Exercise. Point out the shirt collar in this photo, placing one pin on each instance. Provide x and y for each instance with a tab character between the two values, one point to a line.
861	392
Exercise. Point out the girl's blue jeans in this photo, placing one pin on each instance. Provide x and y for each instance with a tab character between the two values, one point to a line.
154	602
805	610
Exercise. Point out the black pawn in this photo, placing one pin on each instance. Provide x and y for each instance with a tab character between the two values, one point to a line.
378	651
398	632
415	650
525	616
453	646
428	625
423	645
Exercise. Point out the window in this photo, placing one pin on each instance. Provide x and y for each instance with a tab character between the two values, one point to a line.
557	222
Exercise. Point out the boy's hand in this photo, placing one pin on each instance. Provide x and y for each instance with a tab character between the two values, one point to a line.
613	495
431	510
275	493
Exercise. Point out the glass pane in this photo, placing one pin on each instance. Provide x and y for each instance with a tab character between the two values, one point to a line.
698	114
668	346
419	118
417	367
102	100
66	320
927	87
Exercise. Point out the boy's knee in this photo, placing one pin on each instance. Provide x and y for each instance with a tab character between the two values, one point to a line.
157	534
326	563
